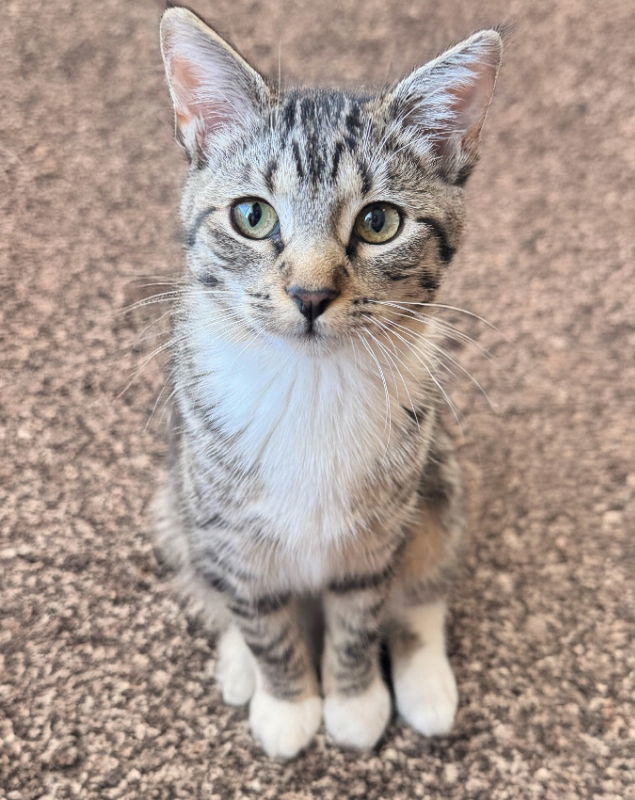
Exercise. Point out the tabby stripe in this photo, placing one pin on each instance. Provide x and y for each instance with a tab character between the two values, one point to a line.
265	655
356	649
228	250
226	568
283	692
399	276
296	669
267	604
417	415
214	520
244	607
298	160
354	626
209	280
357	583
446	251
239	611
270	603
216	581
190	239
288	116
339	146
348	684
429	282
268	176
352	121
351	248
367	183
265	649
374	608
463	174
307	110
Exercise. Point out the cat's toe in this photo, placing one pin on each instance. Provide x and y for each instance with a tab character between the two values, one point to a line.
235	671
284	727
426	693
358	720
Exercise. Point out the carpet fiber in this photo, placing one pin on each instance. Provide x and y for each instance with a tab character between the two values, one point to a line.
105	686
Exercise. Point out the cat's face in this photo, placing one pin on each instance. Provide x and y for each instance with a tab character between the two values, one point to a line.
308	215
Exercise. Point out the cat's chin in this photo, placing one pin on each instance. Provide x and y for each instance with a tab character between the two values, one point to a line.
310	344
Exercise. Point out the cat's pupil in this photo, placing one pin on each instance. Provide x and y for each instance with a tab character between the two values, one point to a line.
254	215
377	219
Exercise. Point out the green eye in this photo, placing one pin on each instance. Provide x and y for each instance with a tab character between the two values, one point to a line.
254	218
378	223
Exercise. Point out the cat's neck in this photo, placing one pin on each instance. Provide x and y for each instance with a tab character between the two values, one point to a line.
239	371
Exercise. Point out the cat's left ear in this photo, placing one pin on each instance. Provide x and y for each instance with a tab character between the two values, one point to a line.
212	87
444	103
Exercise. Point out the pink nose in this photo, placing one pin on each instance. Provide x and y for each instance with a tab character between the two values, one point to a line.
311	303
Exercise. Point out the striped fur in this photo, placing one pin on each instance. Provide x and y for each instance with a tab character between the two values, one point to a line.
313	461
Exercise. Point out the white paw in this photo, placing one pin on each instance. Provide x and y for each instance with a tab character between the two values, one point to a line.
358	720
284	727
425	691
235	671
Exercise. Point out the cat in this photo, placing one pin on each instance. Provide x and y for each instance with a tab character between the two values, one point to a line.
307	453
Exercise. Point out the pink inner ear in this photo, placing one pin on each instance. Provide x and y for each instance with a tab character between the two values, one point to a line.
185	81
184	74
193	105
471	101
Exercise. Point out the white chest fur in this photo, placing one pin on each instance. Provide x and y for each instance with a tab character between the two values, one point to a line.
314	426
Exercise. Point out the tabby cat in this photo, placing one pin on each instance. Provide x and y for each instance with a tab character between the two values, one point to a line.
308	458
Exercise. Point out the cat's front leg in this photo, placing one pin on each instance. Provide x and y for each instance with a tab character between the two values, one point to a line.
357	702
425	688
285	709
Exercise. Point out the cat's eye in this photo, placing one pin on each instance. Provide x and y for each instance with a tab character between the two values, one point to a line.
378	223
254	218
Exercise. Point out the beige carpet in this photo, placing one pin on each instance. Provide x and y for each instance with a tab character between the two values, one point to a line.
105	689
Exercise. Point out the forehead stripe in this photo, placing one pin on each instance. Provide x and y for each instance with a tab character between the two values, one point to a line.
339	146
298	160
268	175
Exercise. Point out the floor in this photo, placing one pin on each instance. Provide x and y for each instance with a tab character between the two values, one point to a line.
105	687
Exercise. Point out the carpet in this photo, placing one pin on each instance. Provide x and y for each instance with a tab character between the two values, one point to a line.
105	685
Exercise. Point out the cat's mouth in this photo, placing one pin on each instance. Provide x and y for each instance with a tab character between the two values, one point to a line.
307	336
312	339
311	335
309	331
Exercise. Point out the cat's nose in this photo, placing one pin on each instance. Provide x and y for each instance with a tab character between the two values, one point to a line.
311	303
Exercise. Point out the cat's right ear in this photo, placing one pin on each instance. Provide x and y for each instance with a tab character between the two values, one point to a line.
212	87
443	104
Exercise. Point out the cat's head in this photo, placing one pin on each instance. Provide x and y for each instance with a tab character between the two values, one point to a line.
309	213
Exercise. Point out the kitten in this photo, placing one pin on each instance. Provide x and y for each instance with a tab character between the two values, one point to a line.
307	454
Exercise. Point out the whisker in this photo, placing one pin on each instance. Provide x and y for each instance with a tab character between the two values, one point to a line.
442	305
139	338
388	419
383	349
146	361
449	330
456	363
436	382
166	404
154	407
386	350
168	296
162	297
